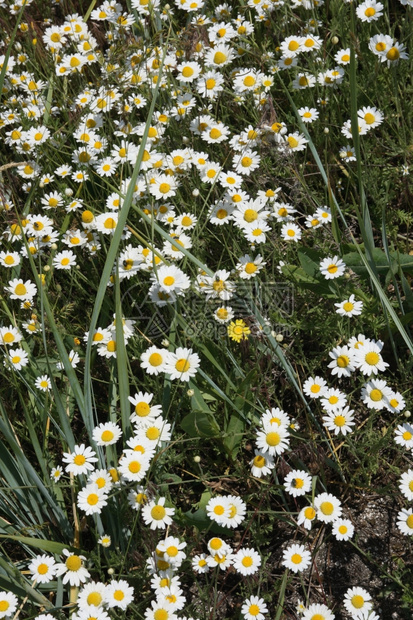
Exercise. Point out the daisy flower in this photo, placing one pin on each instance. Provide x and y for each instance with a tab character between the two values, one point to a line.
25	291
80	461
247	561
406	484
8	604
223	314
106	434
261	464
333	399
119	594
144	411
296	558
42	568
249	267
156	431
376	394
72	569
349	307
273	439
93	594
369	11
43	383
306	517
217	545
92	499
134	465
105	540
369	360
16	358
314	387
160	609
297	482
56	473
343	529
348	153
296	141
405	521
372	116
332	268
154	359
404	435
157	515
394	54
340	420
290	232
182	364
200	564
328	507
254	608
343	363
102	478
317	611
137	497
356	601
308	115
218	509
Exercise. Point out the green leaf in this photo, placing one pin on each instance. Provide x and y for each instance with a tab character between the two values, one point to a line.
45	545
200	424
234	434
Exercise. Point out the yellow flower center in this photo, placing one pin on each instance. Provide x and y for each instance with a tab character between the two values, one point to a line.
73	563
210	83
79	459
94	598
406	435
153	433
343	361
219	58
254	610
357	601
380	46
370	12
118	595
161	614
107	436
299	483
158	513
134	467
251	268
393	54
376	395
309	513
339	420
296	558
343	529
273	438
250	215
42	569
222	214
92	499
246	162
111	346
247	561
110	223
348	306
249	81
155	359
409	521
215	543
293	46
182	365
372	358
164	188
327	508
187	72
219	510
142	409
293	143
20	289
4	605
215	133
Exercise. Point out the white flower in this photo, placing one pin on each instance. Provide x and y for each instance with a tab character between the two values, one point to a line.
182	364
297	482
319	611
368	358
405	521
153	360
343	529
247	561
343	363
314	387
134	465
119	594
306	517
332	268
106	434
273	439
356	601
157	515
254	608
72	569
8	604
42	568
80	461
261	464
296	558
328	507
91	499
406	484
92	595
340	420
349	307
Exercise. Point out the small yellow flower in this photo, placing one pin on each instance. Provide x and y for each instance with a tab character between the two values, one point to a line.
238	330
